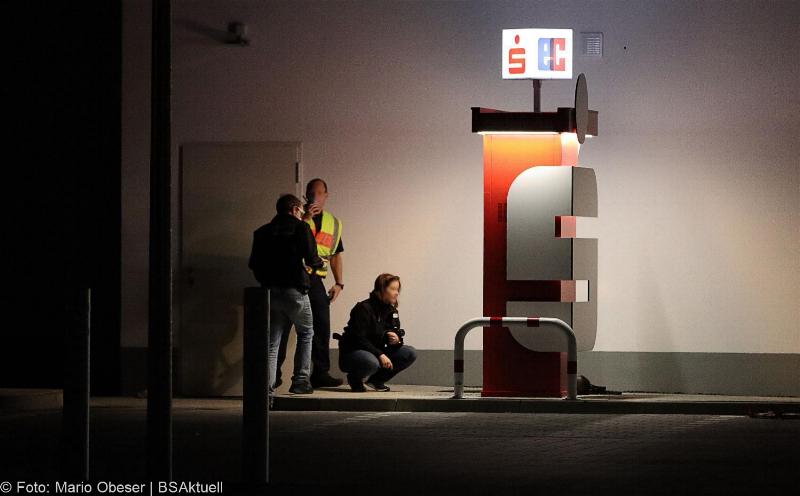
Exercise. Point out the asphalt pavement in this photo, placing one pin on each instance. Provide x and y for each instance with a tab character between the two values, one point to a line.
391	452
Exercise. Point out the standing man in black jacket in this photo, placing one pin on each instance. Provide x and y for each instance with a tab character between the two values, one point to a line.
327	231
282	250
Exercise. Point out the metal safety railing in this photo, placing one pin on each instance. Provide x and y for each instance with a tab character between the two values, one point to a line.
572	347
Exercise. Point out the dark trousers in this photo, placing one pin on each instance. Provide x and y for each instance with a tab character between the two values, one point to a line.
321	342
361	364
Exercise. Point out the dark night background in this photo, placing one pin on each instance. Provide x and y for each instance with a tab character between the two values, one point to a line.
63	195
64	184
64	188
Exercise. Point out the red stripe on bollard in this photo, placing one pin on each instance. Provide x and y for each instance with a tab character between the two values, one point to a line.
495	321
533	322
458	365
572	367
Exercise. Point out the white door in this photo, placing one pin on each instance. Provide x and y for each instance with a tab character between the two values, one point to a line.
228	190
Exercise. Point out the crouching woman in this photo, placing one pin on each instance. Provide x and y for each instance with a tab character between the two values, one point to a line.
371	347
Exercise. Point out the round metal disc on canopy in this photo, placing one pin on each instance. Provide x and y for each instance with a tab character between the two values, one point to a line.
581	108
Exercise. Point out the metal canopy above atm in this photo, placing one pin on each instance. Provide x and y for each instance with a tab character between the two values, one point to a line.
488	121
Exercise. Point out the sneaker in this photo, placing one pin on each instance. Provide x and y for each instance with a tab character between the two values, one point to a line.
356	385
325	380
378	386
302	388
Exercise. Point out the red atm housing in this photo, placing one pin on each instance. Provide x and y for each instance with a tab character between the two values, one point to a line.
512	143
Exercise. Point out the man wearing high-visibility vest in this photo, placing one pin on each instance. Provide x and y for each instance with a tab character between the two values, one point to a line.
327	231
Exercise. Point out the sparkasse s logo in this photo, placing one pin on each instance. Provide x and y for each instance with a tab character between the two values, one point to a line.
516	58
537	54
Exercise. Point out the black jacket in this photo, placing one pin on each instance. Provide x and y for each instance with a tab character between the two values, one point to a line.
281	251
366	330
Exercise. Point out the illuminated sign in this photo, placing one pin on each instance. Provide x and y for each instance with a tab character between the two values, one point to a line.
537	54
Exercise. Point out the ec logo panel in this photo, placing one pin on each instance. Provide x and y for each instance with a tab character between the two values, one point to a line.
537	54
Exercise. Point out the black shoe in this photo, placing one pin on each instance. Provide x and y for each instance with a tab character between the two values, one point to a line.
303	388
356	385
325	380
378	386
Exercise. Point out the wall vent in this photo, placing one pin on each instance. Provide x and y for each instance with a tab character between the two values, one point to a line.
592	44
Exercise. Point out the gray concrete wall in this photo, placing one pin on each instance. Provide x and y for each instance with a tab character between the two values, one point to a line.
751	374
696	161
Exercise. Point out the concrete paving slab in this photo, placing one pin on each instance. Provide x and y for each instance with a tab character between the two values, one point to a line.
22	399
414	398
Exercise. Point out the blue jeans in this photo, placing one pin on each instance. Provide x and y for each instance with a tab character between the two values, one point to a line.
361	364
289	306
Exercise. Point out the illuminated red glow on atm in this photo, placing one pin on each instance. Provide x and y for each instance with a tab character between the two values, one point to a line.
506	156
512	144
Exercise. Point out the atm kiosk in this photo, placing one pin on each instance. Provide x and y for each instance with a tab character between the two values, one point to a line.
539	254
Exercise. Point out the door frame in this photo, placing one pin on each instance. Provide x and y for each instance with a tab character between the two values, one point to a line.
177	251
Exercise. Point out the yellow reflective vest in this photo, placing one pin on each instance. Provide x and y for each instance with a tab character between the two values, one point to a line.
327	239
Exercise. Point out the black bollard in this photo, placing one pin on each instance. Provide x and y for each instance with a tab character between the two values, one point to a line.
255	404
159	335
75	413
